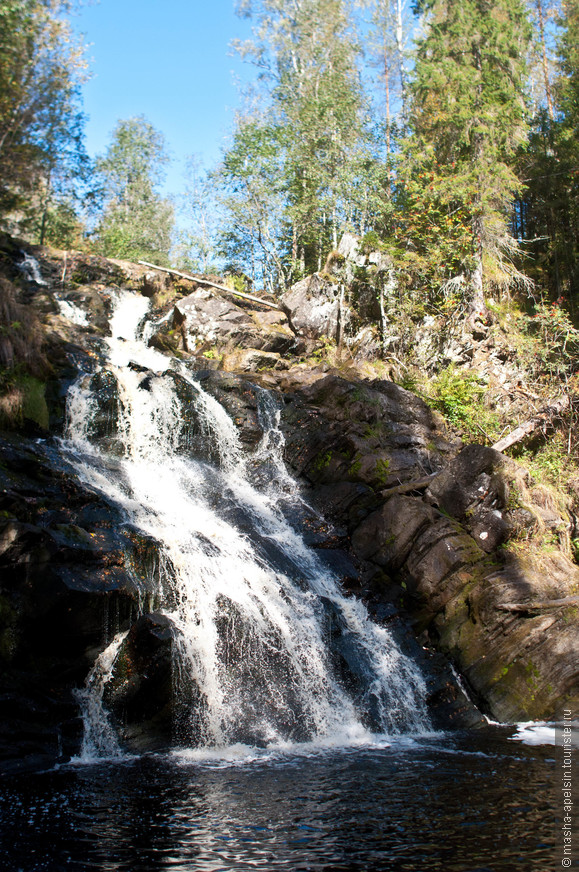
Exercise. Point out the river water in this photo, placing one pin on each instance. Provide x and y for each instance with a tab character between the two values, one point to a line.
463	802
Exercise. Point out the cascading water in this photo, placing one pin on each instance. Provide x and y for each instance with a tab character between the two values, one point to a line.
267	650
31	269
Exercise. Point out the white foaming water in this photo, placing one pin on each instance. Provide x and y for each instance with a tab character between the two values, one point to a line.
535	733
31	269
100	739
71	312
268	651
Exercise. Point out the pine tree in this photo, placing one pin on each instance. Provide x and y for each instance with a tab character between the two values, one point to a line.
467	120
548	214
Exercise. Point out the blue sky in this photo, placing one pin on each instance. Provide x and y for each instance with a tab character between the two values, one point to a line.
170	61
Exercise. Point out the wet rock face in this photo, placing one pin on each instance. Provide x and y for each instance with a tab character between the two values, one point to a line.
140	693
68	581
238	397
375	434
87	305
474	489
452	549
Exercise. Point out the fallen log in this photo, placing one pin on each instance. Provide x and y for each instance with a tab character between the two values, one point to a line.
409	486
538	607
202	281
528	427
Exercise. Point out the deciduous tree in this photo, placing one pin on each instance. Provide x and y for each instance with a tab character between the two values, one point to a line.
306	56
41	124
136	222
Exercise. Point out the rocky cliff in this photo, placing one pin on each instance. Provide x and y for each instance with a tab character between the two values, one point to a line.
453	540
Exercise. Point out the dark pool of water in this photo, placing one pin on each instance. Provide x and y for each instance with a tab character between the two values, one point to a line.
464	802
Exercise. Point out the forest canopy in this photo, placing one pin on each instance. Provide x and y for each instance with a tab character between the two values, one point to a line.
447	134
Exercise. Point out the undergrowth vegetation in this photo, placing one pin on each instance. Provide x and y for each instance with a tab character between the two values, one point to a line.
459	396
527	360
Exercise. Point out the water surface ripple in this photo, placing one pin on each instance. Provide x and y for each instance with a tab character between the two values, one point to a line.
467	802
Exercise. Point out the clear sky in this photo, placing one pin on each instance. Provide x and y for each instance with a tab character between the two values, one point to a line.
170	61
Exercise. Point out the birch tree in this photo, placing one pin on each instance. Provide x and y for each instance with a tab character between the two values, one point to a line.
307	62
136	222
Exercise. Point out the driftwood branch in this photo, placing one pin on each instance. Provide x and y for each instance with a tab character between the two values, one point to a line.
537	607
202	281
409	486
528	427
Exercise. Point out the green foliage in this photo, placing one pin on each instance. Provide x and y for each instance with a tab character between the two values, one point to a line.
62	226
252	178
322	461
558	349
325	351
457	394
310	172
437	217
382	471
197	246
371	241
355	466
42	159
457	178
136	223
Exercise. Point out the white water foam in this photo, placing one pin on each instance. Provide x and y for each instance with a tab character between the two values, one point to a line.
263	630
31	269
100	739
72	312
534	733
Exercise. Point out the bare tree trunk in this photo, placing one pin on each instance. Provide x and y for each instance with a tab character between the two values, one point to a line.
542	419
45	211
548	95
400	49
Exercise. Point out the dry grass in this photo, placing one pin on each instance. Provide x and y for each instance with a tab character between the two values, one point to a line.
23	363
21	336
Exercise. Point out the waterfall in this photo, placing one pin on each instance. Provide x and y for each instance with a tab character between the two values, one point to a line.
100	739
31	269
267	650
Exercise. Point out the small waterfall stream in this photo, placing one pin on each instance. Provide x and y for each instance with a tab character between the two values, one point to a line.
267	649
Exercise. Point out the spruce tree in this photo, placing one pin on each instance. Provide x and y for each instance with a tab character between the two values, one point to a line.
567	145
467	121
